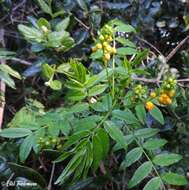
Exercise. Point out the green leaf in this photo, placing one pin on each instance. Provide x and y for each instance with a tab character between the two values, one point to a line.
26	147
125	42
15	132
153	184
29	173
55	84
157	115
30	33
62	157
6	78
24	118
126	51
166	159
76	95
98	89
6	54
10	71
85	124
132	156
153	144
47	71
70	168
104	141
63	68
82	184
126	115
146	133
79	108
115	133
63	24
75	138
174	179
79	71
97	152
128	140
43	22
121	27
55	39
139	57
97	55
141	113
104	105
45	7
142	172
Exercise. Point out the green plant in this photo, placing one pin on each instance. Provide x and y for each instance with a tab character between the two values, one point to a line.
6	71
45	35
102	114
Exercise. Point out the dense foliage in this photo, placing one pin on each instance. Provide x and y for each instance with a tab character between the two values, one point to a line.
96	105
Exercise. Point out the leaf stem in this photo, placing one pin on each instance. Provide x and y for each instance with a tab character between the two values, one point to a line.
107	115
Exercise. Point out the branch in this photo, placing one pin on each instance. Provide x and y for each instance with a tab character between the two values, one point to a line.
149	44
51	178
21	61
154	80
164	61
174	51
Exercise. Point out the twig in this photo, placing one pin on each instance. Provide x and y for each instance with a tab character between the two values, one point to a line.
51	177
154	80
170	55
149	44
173	52
11	176
2	84
21	61
19	5
84	25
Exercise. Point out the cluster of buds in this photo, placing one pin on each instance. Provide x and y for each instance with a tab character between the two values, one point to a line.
169	84
166	94
104	43
168	91
165	99
139	91
49	142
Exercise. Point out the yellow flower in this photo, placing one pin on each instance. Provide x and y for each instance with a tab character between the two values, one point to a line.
109	39
107	56
149	106
108	48
105	44
99	46
114	50
165	99
168	101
